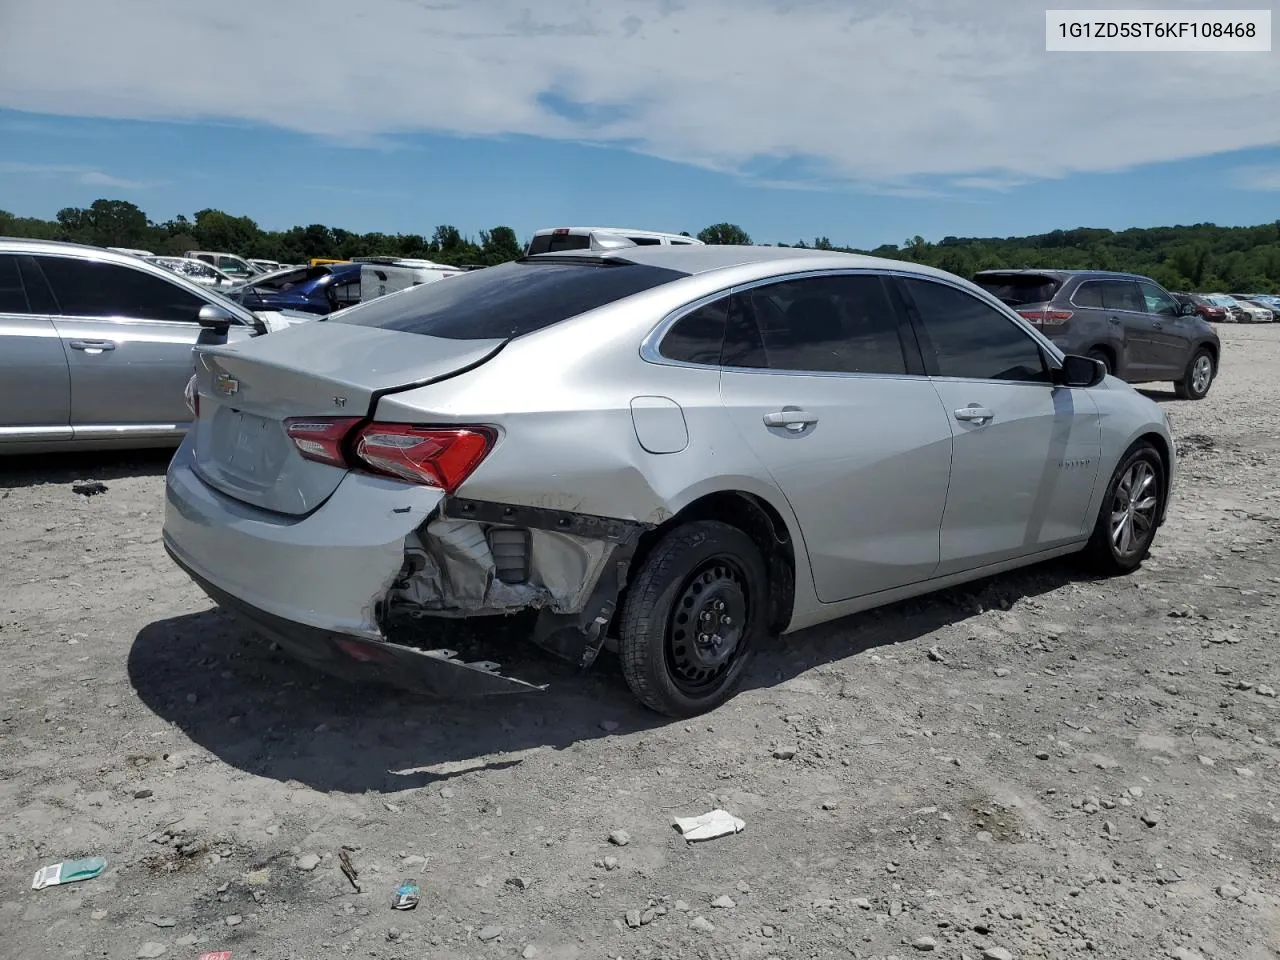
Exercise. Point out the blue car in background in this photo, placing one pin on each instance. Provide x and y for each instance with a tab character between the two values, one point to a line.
319	290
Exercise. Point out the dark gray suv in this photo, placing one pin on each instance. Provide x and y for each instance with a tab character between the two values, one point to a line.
1130	323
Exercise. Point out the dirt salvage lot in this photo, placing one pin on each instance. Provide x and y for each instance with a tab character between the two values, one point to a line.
1037	766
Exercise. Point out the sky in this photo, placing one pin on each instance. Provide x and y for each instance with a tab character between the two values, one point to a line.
865	121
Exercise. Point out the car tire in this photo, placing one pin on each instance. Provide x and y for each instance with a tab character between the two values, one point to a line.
707	573
1198	378
1104	358
1113	549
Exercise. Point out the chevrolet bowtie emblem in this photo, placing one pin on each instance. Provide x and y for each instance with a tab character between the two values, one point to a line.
226	384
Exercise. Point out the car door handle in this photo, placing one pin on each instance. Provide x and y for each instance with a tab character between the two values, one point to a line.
92	346
979	415
795	420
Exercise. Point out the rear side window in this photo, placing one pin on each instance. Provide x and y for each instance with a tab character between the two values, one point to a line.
88	288
506	301
1089	294
836	324
1017	289
971	339
698	336
559	242
13	298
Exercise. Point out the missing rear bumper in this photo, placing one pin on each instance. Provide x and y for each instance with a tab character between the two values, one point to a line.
436	672
476	558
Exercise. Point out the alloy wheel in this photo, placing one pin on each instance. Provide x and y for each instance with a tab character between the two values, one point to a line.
1133	509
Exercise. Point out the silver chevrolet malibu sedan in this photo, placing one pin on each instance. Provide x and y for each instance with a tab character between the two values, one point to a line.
672	453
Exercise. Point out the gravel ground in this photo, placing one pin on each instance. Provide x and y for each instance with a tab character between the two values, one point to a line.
1040	765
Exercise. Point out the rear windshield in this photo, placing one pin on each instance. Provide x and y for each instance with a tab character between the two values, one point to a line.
506	301
559	242
1017	289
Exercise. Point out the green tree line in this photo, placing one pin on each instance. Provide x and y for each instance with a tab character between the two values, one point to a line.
1201	257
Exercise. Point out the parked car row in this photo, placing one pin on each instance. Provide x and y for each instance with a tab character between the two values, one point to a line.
1234	308
656	448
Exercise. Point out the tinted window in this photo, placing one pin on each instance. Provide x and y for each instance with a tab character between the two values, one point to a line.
1122	295
645	241
1089	294
1017	289
39	297
87	288
839	324
13	299
558	242
971	339
1157	301
509	300
698	336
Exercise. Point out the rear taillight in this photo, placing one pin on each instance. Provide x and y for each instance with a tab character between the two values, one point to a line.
433	456
1047	318
320	438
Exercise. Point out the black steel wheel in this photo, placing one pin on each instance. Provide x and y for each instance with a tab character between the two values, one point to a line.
692	618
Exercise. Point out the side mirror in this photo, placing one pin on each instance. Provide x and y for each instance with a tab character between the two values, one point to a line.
215	318
1079	372
1187	310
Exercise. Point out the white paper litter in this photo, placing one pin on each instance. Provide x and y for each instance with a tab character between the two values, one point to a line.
717	823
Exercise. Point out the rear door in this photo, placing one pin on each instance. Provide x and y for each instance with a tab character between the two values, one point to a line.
1025	453
35	383
128	336
1171	332
822	386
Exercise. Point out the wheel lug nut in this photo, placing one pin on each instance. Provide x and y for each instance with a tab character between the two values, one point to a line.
726	620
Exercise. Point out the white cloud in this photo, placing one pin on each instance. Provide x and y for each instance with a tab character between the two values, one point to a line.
1258	177
902	94
86	176
96	178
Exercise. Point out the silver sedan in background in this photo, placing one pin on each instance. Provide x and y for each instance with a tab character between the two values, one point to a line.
95	346
673	453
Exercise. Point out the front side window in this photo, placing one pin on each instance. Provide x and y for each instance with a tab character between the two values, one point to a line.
971	339
1157	301
13	297
831	324
89	288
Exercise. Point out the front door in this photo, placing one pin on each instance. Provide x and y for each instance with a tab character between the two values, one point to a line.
1026	454
1125	306
128	336
818	382
1171	332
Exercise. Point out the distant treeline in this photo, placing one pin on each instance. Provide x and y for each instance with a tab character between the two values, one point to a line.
1200	257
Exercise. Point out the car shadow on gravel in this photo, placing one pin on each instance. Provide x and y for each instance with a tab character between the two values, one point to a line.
62	468
267	715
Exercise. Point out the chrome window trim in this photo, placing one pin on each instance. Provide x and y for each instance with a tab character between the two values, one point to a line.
1134	280
649	347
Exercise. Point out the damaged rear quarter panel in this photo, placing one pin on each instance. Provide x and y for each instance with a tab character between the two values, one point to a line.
567	439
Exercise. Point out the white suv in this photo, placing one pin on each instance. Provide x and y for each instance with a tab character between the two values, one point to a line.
559	239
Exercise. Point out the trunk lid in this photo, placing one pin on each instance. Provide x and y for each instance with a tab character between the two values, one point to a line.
247	390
